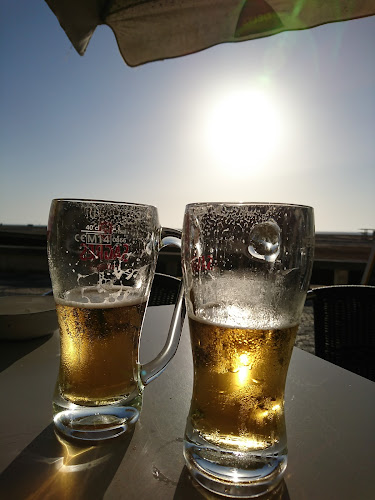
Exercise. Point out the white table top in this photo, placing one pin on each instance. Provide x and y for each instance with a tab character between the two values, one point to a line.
330	419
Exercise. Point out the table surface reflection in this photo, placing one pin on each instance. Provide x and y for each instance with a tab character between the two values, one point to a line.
330	415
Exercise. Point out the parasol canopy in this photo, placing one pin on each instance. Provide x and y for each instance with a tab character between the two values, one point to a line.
150	30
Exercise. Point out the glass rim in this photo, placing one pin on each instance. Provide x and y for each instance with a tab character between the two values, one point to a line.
247	204
103	202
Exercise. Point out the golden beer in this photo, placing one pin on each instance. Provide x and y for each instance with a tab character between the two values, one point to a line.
239	380
99	350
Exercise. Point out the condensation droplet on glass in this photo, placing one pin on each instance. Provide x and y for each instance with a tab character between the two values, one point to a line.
265	241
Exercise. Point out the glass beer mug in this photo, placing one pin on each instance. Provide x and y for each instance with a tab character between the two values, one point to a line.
102	259
246	270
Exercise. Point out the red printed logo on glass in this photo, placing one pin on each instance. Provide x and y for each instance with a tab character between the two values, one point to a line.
202	263
100	243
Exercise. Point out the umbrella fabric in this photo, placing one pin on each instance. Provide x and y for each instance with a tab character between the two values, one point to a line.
150	30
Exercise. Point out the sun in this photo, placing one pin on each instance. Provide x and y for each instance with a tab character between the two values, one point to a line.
243	129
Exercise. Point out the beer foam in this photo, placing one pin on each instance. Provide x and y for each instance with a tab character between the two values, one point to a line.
93	297
244	300
234	316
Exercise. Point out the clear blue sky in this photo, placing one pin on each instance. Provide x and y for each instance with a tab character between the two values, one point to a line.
163	134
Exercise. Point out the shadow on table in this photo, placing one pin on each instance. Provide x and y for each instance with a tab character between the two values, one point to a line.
188	489
13	350
51	467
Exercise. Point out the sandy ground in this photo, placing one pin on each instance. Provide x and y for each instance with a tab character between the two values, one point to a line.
305	334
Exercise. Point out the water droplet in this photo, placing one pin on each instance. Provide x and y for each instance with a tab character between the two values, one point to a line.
265	241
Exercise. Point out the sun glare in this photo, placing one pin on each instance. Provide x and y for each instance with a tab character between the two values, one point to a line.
243	130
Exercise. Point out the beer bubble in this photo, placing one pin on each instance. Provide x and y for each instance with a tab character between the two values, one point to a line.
265	241
245	360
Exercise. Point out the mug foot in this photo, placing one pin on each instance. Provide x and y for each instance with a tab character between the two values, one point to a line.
95	424
232	475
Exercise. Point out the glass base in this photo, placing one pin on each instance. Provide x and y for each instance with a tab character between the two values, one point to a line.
234	474
95	423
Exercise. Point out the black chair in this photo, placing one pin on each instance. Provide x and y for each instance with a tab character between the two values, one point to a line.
344	326
164	290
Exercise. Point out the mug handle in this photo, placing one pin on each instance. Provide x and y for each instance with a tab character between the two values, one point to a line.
152	369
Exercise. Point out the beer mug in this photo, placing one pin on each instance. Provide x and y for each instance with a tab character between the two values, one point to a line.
102	259
246	270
